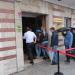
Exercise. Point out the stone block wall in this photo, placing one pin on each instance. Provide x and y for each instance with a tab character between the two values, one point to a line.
8	63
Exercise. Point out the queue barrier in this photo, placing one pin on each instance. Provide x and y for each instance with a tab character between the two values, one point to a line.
63	52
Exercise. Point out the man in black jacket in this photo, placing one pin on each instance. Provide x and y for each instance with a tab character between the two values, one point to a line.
54	45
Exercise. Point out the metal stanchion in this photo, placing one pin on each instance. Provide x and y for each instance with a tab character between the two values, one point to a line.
58	72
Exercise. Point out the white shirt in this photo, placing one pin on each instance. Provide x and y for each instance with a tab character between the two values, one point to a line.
29	36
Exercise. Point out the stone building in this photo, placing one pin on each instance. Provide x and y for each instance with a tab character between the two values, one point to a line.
12	13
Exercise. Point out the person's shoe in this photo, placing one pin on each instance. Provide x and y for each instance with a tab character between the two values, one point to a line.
32	62
53	63
44	58
34	57
67	62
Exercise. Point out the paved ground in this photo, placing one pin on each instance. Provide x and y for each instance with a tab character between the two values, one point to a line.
44	68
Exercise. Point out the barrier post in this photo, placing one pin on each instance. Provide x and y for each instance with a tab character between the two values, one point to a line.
58	72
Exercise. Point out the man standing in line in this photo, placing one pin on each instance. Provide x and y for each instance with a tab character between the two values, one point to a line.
54	45
73	44
68	40
30	38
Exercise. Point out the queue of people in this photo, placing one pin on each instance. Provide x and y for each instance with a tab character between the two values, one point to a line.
39	38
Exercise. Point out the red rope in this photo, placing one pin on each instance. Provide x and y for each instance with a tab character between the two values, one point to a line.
64	53
60	51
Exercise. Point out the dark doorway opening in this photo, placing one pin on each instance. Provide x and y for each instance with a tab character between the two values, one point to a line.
35	21
67	22
32	22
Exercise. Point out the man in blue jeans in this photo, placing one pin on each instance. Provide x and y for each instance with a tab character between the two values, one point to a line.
68	40
41	40
54	45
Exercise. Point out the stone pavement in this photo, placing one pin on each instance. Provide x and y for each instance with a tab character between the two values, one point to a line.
44	68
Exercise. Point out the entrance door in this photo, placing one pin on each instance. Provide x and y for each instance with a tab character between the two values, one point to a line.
27	22
34	21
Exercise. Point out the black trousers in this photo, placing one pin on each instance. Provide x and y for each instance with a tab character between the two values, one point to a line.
30	51
34	51
67	52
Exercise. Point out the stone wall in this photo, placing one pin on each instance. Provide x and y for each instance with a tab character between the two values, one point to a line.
8	63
